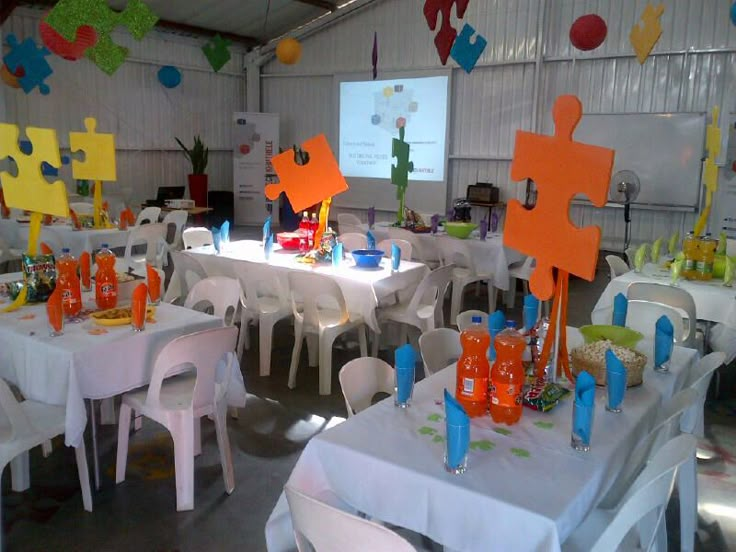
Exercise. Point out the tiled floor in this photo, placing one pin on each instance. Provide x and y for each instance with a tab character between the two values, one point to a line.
266	440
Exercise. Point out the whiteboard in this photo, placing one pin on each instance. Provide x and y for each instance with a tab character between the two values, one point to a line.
663	149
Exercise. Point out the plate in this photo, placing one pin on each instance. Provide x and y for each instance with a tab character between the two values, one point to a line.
119	316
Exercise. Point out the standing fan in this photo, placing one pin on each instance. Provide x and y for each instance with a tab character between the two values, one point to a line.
624	189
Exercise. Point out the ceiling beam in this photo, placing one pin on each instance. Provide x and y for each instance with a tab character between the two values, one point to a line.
328	5
6	8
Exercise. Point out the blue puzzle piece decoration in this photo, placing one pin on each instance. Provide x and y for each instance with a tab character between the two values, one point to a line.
33	61
26	148
468	53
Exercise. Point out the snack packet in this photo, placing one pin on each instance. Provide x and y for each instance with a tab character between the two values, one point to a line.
39	274
544	396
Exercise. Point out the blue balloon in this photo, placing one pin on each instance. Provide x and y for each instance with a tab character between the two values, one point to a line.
169	76
733	13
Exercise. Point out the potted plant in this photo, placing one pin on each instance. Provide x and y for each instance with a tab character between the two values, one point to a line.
197	156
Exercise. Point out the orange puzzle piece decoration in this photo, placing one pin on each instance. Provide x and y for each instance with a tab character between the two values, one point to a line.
308	184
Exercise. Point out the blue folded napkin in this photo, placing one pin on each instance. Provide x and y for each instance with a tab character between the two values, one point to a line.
371	216
225	232
585	398
434	223
405	361
395	256
496	323
268	246
371	239
216	238
483	229
663	340
615	379
531	311
266	229
337	255
620	306
458	438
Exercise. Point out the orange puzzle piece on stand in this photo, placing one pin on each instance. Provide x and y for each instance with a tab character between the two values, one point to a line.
561	169
308	184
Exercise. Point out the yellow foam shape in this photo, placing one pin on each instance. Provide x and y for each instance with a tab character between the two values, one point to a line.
99	153
29	190
19	301
645	34
710	169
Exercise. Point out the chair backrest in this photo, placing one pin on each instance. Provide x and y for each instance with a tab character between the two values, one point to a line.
431	290
630	254
455	251
347	222
310	291
403	245
188	271
643	315
648	493
361	379
524	269
465	319
418	252
352	241
257	282
324	528
699	381
82	208
203	350
148	215
179	219
439	348
730	247
18	425
222	293
154	236
197	237
617	266
675	297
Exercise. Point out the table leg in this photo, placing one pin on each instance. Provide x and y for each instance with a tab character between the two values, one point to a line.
95	453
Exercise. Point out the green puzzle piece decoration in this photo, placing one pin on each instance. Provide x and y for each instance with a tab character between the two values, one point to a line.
68	15
544	425
520	452
434	418
400	171
485	444
216	52
427	430
502	431
438	439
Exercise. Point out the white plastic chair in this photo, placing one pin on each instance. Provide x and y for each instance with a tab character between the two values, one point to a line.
154	237
361	379
197	237
176	402
730	247
403	245
439	348
519	271
418	251
324	528
221	293
630	254
353	241
465	318
179	219
642	316
723	338
82	208
617	266
148	215
646	500
32	424
348	223
675	297
323	312
420	311
699	380
187	272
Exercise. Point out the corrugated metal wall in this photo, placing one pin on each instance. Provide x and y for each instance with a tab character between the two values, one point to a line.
693	69
133	105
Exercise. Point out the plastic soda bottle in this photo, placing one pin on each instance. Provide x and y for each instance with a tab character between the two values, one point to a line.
706	258
106	279
313	225
472	369
690	250
304	233
507	376
68	282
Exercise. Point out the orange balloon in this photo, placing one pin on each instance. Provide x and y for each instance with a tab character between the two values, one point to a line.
288	51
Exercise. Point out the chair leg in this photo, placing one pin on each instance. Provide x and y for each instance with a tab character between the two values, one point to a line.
363	341
107	411
197	435
510	298
374	345
182	431
20	472
687	488
80	453
525	287
223	444
123	436
403	334
243	337
492	293
46	448
325	363
265	335
456	303
312	350
295	354
234	412
137	422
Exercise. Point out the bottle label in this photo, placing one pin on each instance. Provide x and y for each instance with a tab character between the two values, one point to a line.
505	394
67	297
689	264
474	389
704	267
107	290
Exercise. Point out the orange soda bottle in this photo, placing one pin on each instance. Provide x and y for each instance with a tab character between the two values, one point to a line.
507	376
68	283
472	369
106	279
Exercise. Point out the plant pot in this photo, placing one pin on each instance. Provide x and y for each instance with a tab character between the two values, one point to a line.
198	189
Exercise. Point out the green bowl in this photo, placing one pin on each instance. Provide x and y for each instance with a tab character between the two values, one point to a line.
460	229
618	335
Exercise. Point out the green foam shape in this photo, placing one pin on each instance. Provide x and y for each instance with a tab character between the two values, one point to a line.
485	444
216	52
427	430
400	171
438	439
520	452
544	425
434	418
502	430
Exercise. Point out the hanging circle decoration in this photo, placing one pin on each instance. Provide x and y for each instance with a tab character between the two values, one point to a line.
9	78
588	32
288	51
169	76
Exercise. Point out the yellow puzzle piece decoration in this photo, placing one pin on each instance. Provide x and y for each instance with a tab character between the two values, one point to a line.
29	190
710	171
645	34
98	164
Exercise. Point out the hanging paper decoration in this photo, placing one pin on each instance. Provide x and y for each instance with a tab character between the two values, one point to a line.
289	51
710	170
733	13
68	16
645	34
588	32
31	60
465	52
374	55
447	41
169	76
11	79
400	171
217	53
85	38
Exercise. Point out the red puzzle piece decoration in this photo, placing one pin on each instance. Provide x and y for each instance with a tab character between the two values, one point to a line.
445	38
561	169
86	37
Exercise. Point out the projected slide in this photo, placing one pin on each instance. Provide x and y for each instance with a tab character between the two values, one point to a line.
371	113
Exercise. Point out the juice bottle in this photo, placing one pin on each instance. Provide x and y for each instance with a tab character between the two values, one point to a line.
472	369
690	250
304	233
68	283
507	376
706	258
313	225
106	279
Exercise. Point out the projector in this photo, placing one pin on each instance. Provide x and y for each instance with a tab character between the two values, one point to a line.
180	203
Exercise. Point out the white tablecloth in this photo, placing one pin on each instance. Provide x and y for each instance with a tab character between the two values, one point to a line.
528	492
91	239
362	288
67	369
713	301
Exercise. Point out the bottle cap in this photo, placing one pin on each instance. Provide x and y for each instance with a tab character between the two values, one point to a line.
65	250
511	324
103	246
476	319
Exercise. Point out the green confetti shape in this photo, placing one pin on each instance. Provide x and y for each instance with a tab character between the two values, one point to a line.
544	425
438	439
427	430
502	431
520	452
434	418
482	445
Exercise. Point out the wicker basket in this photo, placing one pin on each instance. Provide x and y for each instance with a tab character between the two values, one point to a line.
581	361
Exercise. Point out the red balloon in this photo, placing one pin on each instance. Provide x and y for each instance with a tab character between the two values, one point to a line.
588	32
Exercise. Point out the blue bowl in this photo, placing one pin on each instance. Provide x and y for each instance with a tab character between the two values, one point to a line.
368	258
